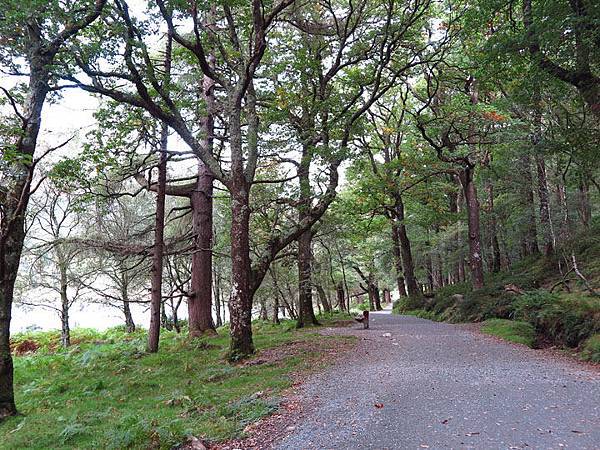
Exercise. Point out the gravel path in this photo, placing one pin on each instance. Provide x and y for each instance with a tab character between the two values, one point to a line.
435	385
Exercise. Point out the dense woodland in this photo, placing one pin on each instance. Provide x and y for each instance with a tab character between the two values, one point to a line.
277	159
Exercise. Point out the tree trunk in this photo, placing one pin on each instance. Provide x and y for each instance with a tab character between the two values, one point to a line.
159	223
529	244
65	330
217	298
472	204
340	296
124	284
584	209
240	301
377	296
544	196
398	260
323	297
494	244
158	251
387	297
405	250
129	323
306	314
276	296
12	220
200	300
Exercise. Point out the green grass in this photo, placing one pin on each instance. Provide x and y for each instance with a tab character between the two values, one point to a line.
510	330
106	392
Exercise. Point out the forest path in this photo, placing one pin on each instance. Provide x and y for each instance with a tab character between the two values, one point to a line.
436	385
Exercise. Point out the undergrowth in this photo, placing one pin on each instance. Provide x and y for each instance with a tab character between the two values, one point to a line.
107	392
559	318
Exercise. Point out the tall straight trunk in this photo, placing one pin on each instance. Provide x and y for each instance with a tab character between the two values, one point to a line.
159	223
563	204
544	196
217	298
494	244
276	296
200	300
473	223
12	221
529	239
340	295
398	259
547	229
584	208
158	250
63	265
405	250
429	270
65	330
240	301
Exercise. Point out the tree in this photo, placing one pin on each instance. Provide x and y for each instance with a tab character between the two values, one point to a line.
33	36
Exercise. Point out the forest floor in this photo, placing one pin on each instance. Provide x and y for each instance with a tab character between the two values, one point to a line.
413	383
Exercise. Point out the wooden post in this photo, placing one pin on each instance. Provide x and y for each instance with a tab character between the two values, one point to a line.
366	320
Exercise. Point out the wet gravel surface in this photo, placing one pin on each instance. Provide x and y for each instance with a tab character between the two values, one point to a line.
413	384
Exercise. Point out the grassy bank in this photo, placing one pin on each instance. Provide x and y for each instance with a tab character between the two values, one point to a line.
106	392
558	318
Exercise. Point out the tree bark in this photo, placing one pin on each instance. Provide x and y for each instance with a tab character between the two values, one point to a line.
12	221
306	311
544	196
494	244
405	249
473	223
159	222
398	259
240	302
200	300
323	297
158	251
529	239
584	209
340	296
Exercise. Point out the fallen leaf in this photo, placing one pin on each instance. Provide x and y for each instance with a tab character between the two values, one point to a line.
378	405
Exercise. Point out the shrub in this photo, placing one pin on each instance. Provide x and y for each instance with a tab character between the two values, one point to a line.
591	349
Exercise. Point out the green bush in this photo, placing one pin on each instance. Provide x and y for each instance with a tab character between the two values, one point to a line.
566	319
591	349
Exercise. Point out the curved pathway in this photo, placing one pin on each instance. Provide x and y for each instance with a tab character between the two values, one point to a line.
414	384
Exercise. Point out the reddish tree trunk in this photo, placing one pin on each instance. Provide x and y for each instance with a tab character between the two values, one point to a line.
158	251
200	301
